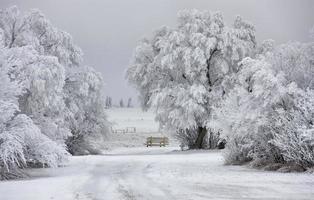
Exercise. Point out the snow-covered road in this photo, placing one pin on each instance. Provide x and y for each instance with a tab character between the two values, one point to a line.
157	173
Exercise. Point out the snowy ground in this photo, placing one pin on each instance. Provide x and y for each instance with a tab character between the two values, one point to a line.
157	173
140	173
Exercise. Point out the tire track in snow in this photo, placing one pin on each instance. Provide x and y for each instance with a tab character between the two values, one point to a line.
119	179
141	186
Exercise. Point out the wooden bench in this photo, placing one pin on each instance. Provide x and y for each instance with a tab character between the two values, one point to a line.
157	141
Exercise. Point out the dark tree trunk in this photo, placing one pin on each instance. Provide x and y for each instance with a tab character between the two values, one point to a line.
201	132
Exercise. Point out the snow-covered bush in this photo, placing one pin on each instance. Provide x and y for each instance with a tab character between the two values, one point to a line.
267	117
240	115
294	131
182	71
22	143
86	114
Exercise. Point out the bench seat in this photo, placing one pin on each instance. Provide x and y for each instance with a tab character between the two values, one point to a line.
157	141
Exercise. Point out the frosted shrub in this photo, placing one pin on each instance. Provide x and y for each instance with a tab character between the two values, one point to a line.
237	149
86	116
38	148
22	143
294	132
186	138
267	118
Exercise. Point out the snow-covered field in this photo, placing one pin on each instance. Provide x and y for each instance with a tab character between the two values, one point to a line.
133	117
144	123
140	173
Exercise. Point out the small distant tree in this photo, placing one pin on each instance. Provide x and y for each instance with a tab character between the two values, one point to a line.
121	103
130	103
110	102
312	33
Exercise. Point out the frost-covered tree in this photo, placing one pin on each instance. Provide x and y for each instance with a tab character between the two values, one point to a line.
108	102
34	29
41	59
34	44
121	103
184	71
295	60
11	143
130	105
21	141
51	54
86	114
43	81
266	47
53	58
312	33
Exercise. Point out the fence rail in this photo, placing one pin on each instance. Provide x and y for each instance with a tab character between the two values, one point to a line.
126	130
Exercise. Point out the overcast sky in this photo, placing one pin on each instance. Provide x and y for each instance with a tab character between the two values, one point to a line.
108	30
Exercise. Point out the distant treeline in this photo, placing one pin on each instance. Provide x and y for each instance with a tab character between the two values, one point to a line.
109	103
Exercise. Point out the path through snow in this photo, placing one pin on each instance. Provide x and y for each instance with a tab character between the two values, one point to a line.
157	173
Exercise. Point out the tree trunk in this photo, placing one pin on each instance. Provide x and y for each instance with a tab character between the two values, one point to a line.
201	132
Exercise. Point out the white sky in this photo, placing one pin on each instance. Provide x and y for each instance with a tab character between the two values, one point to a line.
108	30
